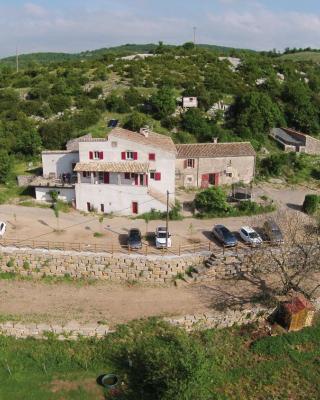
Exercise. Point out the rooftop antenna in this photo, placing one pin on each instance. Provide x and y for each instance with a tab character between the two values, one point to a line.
17	59
194	34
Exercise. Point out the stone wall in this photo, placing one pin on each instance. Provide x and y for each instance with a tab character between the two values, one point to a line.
119	268
219	320
74	330
25	180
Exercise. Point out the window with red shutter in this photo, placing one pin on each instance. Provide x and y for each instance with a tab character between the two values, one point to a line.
152	157
157	176
123	155
127	175
91	155
135	155
101	155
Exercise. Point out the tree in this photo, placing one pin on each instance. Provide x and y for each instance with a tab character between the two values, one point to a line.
133	97
294	264
257	112
212	200
59	103
188	46
194	122
161	362
136	121
163	103
6	166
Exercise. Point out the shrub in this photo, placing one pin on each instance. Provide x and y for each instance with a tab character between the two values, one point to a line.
211	200
311	203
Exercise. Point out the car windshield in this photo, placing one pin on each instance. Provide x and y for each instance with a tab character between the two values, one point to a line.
135	235
225	232
162	235
253	235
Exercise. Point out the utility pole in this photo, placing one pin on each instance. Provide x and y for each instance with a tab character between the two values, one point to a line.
17	59
167	220
194	34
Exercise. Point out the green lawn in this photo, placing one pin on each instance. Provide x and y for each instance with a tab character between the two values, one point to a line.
282	367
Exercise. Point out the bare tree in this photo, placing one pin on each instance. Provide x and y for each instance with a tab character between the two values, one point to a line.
293	265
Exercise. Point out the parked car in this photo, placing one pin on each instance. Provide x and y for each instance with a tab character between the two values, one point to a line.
250	236
224	236
134	239
3	227
161	238
272	232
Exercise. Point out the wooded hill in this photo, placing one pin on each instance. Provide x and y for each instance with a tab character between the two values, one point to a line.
49	102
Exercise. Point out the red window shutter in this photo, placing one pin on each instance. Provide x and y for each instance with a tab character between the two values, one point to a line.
157	176
136	179
101	155
91	155
135	155
152	157
185	164
123	155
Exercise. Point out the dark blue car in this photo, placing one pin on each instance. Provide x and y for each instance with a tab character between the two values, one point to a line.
224	236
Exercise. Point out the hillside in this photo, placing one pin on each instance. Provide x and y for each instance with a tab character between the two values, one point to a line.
302	56
52	57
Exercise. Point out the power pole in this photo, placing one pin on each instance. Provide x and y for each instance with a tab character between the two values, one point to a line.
194	34
167	220
17	59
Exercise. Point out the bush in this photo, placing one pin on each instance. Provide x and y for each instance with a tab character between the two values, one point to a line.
212	200
311	204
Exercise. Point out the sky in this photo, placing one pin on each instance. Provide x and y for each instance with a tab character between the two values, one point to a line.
78	25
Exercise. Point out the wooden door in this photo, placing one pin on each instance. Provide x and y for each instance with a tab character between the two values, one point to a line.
135	207
205	181
106	177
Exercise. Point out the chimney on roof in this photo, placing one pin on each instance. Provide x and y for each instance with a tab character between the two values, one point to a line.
145	131
215	140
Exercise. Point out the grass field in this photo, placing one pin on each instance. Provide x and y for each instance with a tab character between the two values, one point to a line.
282	367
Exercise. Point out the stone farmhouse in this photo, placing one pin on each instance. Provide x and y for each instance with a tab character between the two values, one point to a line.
204	164
295	141
130	173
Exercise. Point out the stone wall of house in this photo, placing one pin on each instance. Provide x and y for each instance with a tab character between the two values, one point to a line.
103	266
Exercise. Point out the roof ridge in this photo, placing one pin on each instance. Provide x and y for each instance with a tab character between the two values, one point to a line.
201	144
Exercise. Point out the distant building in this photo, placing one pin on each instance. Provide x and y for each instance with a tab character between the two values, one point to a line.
292	140
189	102
205	164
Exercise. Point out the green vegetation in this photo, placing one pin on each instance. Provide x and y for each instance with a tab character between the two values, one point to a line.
293	167
212	203
153	215
54	98
311	204
158	361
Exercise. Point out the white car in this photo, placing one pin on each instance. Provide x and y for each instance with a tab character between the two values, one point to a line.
161	238
250	236
3	227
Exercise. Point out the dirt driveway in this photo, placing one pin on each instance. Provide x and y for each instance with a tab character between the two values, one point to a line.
62	302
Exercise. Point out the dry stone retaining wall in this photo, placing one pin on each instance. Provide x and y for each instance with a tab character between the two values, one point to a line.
147	269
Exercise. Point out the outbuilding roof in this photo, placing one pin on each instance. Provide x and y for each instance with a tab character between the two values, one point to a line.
151	139
125	166
214	150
